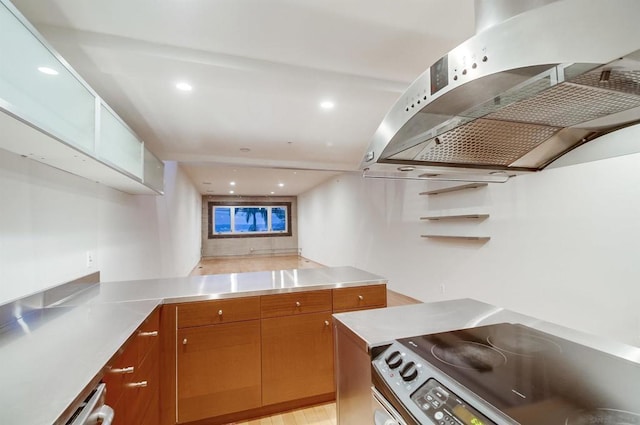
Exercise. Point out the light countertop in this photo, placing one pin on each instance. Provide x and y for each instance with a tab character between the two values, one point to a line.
51	356
370	328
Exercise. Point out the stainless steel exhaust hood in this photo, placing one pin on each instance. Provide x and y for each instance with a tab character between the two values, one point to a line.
516	96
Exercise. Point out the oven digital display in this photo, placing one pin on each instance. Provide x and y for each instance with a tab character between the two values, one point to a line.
466	416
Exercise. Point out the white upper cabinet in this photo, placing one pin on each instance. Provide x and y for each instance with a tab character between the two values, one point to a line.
76	130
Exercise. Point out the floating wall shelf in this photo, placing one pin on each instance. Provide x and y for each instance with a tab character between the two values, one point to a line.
456	217
468	238
454	188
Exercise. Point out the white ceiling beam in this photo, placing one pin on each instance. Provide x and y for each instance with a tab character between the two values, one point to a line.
59	35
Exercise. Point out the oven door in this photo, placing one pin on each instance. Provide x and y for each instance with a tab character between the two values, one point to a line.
383	412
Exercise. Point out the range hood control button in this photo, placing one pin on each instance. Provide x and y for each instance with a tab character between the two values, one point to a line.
394	359
409	372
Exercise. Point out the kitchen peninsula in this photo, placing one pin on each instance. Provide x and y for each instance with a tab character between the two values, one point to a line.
58	353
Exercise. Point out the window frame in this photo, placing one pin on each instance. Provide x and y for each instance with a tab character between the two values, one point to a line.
234	205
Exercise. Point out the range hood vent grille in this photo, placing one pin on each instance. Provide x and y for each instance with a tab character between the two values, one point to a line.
627	81
485	142
568	104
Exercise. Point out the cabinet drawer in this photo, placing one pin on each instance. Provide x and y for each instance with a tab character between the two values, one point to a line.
143	389
359	297
148	335
119	371
296	303
214	312
132	375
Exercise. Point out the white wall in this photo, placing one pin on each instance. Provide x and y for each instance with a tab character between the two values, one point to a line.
564	242
49	219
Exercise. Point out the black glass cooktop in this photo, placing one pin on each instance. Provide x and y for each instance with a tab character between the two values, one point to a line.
536	378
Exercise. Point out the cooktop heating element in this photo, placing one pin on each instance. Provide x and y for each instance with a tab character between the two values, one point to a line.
506	374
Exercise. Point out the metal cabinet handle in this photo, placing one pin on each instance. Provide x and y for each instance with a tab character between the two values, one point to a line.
141	384
298	304
326	323
184	341
219	312
152	333
360	297
123	371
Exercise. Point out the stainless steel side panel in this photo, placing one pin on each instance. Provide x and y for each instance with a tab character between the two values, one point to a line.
353	378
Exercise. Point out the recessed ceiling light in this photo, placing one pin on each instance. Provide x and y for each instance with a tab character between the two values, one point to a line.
327	104
231	192
272	193
206	182
47	70
245	150
281	184
184	86
232	183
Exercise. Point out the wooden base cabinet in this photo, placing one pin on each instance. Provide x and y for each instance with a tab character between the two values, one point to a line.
297	357
218	370
217	358
231	359
133	376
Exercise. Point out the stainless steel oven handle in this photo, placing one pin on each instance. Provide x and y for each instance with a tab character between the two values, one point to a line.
104	416
383	412
382	418
94	411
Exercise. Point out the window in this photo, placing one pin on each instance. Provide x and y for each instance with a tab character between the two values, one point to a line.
249	219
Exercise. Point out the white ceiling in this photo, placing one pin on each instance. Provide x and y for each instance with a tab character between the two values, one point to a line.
259	70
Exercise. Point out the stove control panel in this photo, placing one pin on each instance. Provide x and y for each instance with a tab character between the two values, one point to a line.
412	381
445	407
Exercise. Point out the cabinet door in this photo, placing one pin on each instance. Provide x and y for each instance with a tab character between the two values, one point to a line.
218	370
297	357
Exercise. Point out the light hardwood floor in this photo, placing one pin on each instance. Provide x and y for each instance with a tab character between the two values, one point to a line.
252	264
323	414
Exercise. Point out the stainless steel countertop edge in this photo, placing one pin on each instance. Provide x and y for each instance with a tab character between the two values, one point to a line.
275	291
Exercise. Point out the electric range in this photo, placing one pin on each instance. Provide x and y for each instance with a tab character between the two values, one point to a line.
506	374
